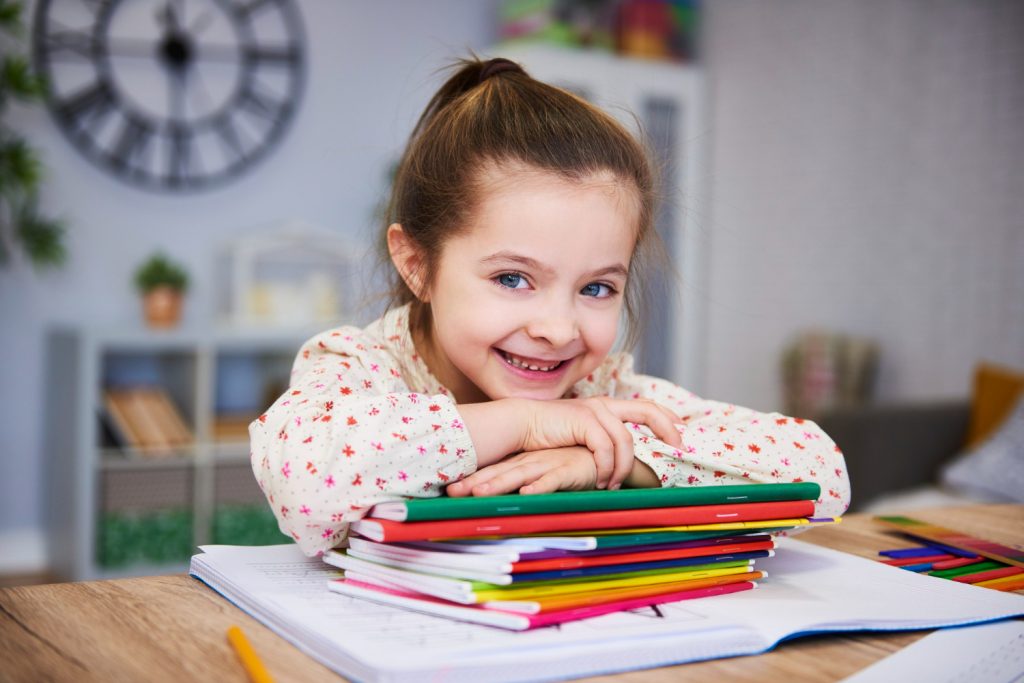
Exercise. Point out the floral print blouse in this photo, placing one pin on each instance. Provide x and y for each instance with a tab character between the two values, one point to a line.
364	421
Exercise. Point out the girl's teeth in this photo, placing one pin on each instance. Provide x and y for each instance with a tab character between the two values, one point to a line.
515	362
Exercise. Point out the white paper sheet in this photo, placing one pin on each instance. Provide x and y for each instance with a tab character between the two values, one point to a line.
990	653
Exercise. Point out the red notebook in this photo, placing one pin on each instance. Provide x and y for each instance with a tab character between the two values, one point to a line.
388	531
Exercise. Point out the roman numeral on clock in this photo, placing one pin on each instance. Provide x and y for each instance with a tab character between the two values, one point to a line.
87	107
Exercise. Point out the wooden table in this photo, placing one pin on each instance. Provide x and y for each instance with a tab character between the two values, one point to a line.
173	627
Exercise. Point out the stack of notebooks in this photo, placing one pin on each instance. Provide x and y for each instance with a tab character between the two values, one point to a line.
522	562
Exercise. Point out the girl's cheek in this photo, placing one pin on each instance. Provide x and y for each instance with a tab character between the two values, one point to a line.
605	329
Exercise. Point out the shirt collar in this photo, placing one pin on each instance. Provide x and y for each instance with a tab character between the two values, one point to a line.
415	372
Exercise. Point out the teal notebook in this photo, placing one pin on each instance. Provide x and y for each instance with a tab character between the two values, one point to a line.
423	509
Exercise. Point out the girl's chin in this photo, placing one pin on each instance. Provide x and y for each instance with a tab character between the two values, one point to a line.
549	393
536	395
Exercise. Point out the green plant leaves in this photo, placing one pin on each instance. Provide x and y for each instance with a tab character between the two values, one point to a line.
160	271
21	172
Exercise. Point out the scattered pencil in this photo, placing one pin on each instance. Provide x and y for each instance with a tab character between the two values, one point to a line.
250	660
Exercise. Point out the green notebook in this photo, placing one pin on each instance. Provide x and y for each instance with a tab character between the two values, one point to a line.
422	509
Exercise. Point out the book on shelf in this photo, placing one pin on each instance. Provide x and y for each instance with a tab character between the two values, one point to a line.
145	419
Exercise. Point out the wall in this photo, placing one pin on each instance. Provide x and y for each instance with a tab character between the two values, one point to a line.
867	177
371	70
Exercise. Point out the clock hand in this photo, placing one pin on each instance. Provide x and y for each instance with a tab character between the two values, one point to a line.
168	18
127	47
178	86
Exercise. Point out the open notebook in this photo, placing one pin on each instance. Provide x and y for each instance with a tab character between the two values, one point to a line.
809	590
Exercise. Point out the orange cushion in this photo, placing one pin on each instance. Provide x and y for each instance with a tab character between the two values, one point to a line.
996	391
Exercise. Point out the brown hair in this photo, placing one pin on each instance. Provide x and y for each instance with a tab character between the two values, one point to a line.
493	113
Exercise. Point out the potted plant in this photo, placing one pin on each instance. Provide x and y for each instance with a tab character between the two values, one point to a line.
162	284
22	226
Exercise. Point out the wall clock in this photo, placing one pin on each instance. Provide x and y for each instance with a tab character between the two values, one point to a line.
171	94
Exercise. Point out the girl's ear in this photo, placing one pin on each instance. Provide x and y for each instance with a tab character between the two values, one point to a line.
408	260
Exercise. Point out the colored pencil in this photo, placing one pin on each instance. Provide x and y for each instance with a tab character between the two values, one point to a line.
250	660
932	533
1007	583
958	562
907	552
967	569
989	575
903	561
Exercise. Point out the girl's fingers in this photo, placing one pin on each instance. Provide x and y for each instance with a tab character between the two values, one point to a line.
482	476
457	489
622	442
599	442
510	479
659	419
549	482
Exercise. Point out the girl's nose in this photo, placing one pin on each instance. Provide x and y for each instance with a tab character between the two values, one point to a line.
557	328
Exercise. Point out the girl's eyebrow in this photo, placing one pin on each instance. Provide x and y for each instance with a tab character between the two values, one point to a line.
535	265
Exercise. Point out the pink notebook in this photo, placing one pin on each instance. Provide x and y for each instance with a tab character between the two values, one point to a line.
511	620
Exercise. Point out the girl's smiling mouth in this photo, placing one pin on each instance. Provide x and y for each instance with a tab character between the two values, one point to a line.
533	366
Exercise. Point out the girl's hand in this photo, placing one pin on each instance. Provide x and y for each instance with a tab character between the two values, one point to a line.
545	471
597	424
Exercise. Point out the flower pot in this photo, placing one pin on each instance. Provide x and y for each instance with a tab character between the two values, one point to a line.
162	307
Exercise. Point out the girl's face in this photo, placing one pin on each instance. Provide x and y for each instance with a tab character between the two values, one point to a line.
526	301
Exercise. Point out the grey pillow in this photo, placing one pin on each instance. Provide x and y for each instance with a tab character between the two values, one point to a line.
995	468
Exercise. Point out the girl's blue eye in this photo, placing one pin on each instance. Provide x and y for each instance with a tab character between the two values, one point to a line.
511	280
597	289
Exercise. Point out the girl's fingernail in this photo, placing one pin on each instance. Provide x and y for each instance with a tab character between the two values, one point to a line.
602	485
614	487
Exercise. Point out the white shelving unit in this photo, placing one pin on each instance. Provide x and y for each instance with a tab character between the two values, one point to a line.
665	99
88	478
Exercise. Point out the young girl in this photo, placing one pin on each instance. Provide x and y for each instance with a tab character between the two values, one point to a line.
519	225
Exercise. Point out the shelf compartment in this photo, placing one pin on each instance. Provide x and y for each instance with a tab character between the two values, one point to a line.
241	515
148	400
146	516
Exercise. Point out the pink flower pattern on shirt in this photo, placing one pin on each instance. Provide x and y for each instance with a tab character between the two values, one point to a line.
364	421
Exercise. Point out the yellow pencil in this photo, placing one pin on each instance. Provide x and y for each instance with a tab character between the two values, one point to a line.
1005	583
257	672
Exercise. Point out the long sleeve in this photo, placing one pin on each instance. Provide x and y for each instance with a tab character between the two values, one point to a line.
726	444
350	433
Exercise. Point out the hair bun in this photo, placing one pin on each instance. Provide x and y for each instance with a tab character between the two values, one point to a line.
496	66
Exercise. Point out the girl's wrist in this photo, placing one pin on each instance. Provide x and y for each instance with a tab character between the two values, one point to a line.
495	427
641	477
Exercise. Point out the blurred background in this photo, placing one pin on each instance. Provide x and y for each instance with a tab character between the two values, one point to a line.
844	198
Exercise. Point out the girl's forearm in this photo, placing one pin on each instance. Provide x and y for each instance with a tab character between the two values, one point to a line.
495	427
